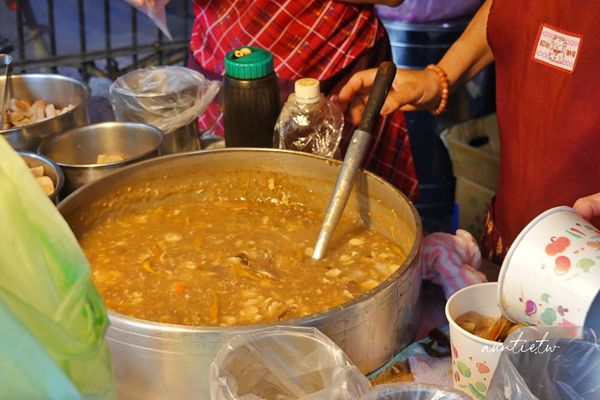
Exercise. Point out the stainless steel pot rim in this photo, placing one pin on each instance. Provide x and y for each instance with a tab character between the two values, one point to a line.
306	320
61	116
109	124
60	176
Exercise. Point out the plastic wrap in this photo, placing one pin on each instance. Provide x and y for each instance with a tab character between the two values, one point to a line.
412	391
428	10
284	363
552	363
53	321
166	97
155	10
312	128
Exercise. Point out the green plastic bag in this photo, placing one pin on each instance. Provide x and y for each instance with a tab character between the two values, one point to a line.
52	319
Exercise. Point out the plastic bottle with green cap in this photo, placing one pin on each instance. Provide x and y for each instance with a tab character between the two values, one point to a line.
250	98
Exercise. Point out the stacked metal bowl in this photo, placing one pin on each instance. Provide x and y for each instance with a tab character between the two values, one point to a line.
57	90
62	136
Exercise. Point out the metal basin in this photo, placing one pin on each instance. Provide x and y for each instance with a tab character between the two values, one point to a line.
76	150
56	89
51	170
154	360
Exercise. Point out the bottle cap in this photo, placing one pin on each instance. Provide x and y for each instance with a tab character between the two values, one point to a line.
307	90
248	63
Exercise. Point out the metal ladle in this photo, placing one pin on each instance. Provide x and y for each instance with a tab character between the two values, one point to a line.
6	62
354	155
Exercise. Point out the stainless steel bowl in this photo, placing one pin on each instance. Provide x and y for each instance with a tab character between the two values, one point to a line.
77	150
156	361
51	170
55	89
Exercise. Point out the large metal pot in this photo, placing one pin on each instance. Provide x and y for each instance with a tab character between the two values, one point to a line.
157	361
55	89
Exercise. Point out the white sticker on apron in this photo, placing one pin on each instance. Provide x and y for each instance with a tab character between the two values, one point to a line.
557	48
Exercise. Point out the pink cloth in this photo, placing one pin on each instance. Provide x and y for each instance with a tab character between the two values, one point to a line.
451	260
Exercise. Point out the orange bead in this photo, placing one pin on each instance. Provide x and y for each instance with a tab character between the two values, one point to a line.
445	88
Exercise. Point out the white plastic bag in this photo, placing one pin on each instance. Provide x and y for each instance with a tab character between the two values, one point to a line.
548	363
284	363
155	9
167	97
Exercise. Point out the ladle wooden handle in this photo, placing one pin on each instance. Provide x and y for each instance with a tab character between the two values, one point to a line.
381	86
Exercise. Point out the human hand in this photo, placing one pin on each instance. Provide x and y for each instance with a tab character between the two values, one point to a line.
589	206
411	91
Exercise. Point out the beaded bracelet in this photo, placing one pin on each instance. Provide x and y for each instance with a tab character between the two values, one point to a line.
445	91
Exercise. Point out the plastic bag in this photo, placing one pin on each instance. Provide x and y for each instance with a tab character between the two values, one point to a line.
167	97
155	10
412	391
284	363
428	10
553	363
53	320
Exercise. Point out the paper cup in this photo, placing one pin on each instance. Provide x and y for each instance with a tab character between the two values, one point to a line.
473	359
551	274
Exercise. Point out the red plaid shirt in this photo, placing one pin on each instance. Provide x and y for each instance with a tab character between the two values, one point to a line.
307	38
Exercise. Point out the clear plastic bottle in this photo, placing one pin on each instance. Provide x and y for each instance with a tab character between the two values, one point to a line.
309	122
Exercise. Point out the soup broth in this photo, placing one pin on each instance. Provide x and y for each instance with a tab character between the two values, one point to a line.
218	260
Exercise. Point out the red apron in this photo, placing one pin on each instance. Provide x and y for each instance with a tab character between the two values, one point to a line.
547	85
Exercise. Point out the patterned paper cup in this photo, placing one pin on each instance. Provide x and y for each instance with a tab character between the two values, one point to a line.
473	359
551	274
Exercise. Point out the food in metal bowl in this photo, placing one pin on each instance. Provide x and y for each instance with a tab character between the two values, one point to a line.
22	112
67	96
46	172
44	181
196	254
93	151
